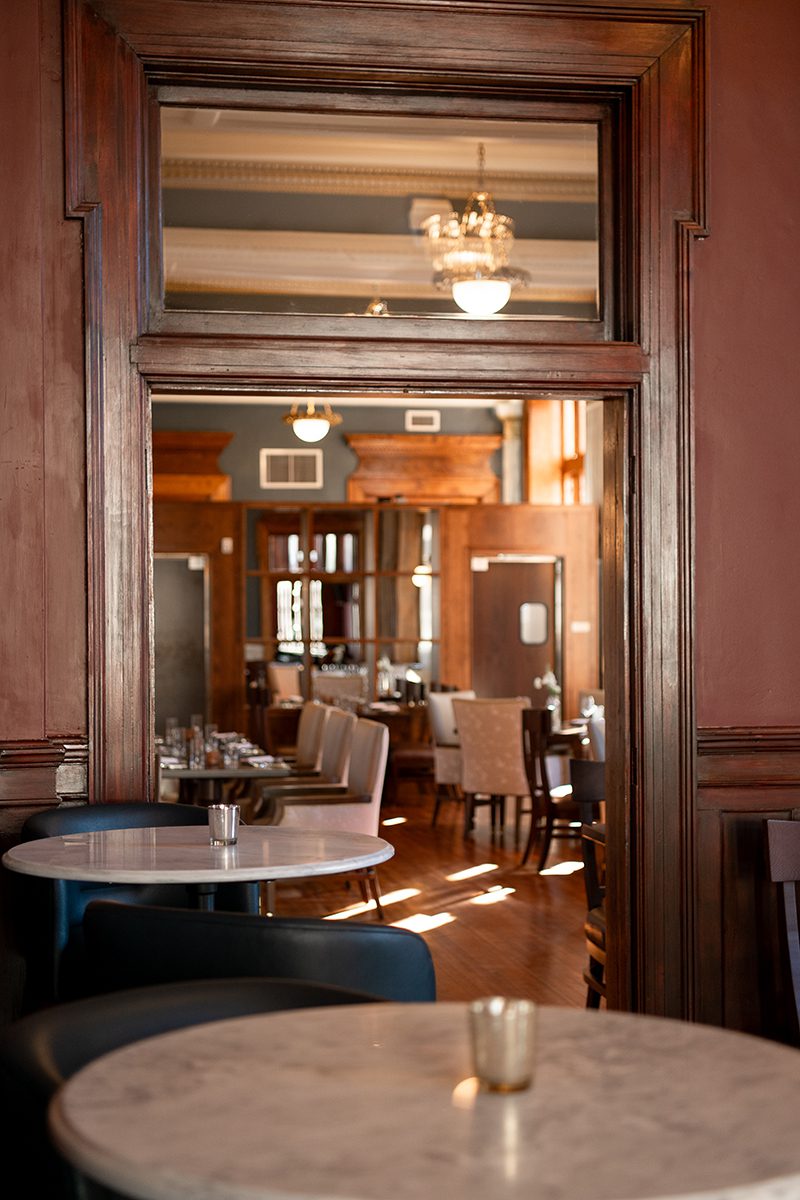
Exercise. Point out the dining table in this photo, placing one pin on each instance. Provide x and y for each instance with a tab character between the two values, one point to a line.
183	854
372	1101
192	780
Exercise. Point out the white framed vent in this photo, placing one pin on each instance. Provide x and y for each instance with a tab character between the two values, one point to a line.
290	468
423	420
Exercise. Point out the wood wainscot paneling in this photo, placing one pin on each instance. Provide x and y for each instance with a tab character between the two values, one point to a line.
214	529
745	776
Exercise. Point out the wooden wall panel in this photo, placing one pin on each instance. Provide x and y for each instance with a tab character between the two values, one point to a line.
489	529
22	508
745	778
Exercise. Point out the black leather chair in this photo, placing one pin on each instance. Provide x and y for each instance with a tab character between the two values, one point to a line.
39	1052
132	945
48	913
588	781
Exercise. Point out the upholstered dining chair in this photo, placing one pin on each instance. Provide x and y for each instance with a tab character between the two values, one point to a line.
337	746
553	813
49	912
137	945
41	1051
354	806
491	753
283	680
588	781
596	731
310	733
446	746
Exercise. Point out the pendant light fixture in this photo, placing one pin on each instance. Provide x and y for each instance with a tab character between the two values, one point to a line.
311	423
470	252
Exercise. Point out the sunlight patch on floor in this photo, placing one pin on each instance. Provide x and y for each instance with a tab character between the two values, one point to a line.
493	896
424	922
471	872
563	868
395	821
357	910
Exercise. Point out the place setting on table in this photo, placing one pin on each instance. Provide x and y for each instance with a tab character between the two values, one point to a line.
203	760
496	1098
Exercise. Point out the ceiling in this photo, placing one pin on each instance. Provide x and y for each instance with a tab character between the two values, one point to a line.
283	211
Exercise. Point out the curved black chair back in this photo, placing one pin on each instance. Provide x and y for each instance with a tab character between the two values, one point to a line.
49	912
130	946
39	1052
588	781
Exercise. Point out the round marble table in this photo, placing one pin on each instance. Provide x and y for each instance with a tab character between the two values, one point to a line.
182	854
377	1102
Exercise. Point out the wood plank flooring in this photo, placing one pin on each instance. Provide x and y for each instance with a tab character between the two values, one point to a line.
527	943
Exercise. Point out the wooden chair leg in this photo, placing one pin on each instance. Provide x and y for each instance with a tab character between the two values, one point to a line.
547	837
469	813
533	834
437	804
371	889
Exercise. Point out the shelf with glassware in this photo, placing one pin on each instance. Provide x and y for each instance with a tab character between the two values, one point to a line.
348	592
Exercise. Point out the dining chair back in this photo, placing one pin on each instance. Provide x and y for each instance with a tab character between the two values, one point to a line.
596	731
552	809
783	853
588	781
48	913
283	680
447	764
132	946
41	1051
337	748
491	754
310	733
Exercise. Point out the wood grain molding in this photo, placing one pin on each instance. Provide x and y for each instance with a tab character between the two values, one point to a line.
185	465
639	68
42	771
751	758
424	467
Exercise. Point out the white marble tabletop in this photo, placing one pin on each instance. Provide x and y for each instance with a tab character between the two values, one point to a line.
182	854
377	1102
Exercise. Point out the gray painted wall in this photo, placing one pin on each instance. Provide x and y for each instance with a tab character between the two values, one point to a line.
260	425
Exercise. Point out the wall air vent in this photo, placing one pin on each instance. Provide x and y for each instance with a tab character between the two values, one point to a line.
423	420
290	469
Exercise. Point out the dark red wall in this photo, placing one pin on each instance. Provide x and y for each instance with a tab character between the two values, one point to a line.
747	373
746	313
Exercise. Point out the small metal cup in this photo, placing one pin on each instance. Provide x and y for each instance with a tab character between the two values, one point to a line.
503	1036
223	823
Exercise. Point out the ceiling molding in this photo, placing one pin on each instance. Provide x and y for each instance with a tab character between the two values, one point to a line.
240	175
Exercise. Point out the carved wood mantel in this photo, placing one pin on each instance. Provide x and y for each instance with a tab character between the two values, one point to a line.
434	468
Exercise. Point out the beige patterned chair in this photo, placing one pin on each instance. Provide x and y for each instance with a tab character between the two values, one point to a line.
493	767
446	747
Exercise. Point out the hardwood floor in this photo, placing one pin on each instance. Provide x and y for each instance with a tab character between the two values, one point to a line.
528	942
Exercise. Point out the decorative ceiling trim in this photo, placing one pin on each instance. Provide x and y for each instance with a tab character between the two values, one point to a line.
250	176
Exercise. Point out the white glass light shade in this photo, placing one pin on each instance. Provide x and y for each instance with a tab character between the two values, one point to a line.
481	297
421	578
310	429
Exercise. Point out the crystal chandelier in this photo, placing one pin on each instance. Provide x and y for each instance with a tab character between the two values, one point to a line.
470	253
309	423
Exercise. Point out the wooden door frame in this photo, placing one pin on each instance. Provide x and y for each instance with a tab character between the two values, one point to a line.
647	63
